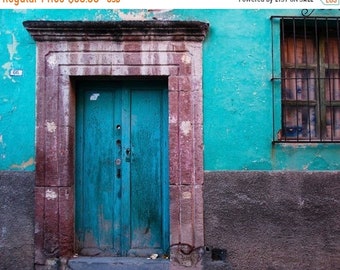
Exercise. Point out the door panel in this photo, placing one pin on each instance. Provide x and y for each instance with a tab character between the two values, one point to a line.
122	168
147	127
95	172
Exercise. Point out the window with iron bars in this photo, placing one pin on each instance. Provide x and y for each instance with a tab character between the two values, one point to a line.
309	79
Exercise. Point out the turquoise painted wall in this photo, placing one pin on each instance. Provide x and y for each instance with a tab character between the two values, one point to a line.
237	89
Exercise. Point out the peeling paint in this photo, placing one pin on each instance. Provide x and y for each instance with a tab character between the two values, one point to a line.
186	59
159	11
185	127
163	14
12	51
2	147
24	164
186	195
12	47
133	16
51	127
7	67
172	119
22	11
94	96
52	61
50	194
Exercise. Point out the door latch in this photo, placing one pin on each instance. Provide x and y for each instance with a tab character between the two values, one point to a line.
128	155
118	162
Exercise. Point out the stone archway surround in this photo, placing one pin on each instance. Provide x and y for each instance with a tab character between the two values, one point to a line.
67	50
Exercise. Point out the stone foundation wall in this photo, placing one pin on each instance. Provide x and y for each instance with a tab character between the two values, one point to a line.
16	220
263	220
273	220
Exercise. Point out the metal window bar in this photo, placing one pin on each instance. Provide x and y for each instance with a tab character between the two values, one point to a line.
310	112
296	85
327	52
318	120
308	94
338	47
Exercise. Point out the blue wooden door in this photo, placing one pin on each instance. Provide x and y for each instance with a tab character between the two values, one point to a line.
122	168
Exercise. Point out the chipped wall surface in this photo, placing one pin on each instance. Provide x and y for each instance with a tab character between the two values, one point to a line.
237	67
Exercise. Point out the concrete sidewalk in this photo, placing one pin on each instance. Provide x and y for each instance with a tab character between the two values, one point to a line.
121	263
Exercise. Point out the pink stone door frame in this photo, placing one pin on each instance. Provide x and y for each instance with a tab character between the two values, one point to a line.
67	51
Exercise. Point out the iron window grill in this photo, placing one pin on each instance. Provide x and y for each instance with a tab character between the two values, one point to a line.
306	79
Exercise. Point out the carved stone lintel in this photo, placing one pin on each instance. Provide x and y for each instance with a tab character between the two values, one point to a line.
117	30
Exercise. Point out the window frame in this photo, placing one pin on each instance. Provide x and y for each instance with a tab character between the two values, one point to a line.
303	27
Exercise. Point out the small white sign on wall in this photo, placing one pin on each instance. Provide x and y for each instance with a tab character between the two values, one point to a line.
16	72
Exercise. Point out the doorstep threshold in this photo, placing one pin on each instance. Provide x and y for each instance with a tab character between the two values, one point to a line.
115	263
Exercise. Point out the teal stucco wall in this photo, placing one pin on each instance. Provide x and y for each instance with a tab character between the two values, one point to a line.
237	88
